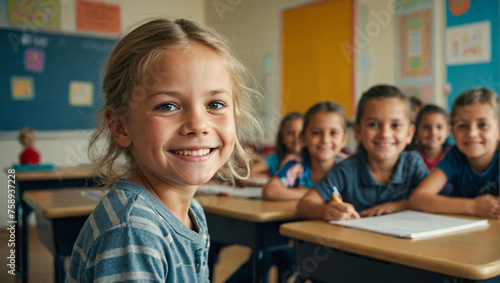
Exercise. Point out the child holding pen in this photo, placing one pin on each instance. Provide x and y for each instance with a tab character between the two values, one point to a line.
471	166
173	94
324	135
379	179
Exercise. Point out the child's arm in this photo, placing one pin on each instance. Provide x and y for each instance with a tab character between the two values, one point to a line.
275	190
426	198
385	208
312	206
259	168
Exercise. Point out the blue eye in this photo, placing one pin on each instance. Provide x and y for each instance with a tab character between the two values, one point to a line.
215	105
166	107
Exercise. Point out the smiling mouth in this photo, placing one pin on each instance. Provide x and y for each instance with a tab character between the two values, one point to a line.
186	152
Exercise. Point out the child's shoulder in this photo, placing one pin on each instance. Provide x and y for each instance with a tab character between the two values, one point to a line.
125	203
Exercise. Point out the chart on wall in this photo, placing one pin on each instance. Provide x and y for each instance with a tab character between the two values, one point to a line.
415	59
50	81
472	46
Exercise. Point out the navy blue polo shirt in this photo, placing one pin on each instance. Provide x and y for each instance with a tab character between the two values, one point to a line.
467	182
355	182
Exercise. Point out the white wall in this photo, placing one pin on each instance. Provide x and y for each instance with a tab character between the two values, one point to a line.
70	149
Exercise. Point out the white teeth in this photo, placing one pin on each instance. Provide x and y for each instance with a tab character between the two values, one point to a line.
200	152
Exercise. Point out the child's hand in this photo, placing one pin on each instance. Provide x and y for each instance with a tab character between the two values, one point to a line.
340	211
385	208
487	206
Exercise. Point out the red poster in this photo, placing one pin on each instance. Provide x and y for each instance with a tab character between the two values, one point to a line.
95	16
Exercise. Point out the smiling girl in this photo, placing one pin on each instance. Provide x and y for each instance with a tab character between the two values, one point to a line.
173	92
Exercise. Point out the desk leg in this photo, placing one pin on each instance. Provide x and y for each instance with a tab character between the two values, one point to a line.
59	268
258	268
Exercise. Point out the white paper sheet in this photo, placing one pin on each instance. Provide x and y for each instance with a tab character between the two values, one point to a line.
412	224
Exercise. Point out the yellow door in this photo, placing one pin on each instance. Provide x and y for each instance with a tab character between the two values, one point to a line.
315	68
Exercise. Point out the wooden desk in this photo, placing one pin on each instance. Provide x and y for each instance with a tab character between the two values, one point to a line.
249	222
253	223
327	252
60	215
62	177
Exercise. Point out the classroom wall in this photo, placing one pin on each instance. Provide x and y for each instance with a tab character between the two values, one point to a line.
254	28
69	148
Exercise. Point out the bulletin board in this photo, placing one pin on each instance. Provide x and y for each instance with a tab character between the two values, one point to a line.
317	55
472	44
50	81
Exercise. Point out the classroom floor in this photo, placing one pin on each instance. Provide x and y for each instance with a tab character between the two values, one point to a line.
41	262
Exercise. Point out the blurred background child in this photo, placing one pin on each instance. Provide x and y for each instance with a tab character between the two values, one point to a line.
471	166
29	155
288	146
432	132
379	179
324	135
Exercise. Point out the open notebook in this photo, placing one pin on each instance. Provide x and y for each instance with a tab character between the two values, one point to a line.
412	224
246	192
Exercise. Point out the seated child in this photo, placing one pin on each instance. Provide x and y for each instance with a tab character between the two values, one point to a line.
173	96
288	145
324	135
471	166
29	155
432	132
379	179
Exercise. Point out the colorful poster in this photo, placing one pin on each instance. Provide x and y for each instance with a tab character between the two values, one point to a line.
81	93
34	60
416	44
423	92
36	13
96	16
468	44
22	88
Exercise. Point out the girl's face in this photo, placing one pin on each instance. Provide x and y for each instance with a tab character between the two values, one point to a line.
385	129
432	130
475	129
325	136
291	135
181	127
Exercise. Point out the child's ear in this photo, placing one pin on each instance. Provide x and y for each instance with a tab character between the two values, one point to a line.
344	139
411	132
118	129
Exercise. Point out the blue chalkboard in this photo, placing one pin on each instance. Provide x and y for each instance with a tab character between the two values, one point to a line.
59	60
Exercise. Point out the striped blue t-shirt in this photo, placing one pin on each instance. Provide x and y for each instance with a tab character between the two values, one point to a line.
132	236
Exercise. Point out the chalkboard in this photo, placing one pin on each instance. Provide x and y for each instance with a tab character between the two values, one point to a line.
62	74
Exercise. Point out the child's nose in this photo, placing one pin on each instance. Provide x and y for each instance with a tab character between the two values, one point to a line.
385	130
473	130
194	122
